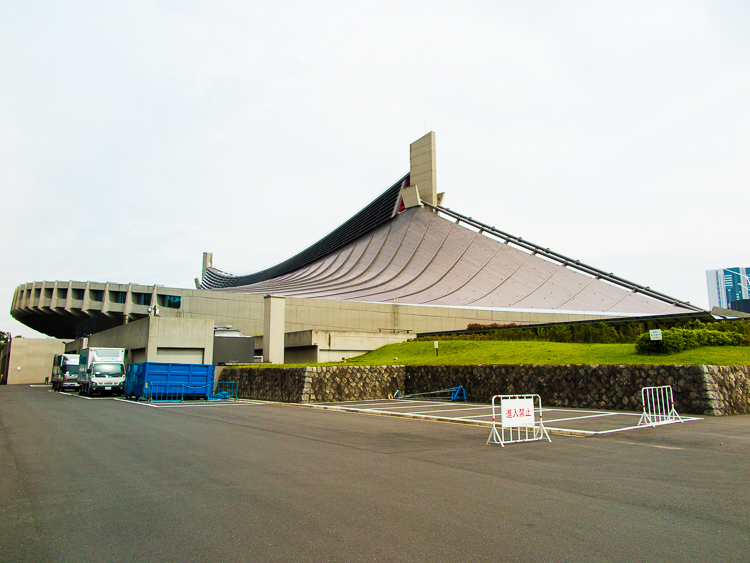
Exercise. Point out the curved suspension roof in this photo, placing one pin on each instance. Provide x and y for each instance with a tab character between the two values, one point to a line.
419	257
373	215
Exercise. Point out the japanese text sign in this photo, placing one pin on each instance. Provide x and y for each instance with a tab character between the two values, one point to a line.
517	412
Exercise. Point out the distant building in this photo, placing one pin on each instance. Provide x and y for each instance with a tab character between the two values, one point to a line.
726	286
28	360
741	305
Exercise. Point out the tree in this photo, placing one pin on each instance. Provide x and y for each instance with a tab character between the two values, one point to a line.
4	338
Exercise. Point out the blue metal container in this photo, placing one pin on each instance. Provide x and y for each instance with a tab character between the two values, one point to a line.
154	381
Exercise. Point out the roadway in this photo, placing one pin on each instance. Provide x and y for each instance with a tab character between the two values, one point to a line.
103	480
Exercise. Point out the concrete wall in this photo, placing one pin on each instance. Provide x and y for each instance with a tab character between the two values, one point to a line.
236	349
245	311
34	358
273	329
707	390
157	339
319	346
75	346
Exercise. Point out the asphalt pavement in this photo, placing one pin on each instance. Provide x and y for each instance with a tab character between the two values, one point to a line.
103	480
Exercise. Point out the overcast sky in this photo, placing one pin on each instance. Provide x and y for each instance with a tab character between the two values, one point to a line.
136	135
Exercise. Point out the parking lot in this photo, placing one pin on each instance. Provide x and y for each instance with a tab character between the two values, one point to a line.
576	422
110	480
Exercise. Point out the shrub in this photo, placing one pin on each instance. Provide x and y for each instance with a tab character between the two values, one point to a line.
558	333
677	339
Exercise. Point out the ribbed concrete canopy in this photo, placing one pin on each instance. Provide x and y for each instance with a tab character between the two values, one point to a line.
419	257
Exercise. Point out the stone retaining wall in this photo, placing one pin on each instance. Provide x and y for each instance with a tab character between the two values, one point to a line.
269	384
728	388
711	390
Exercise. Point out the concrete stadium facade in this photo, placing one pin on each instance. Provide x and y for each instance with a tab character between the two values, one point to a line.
58	317
403	263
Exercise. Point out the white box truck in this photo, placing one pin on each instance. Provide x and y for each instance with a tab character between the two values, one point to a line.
101	370
65	372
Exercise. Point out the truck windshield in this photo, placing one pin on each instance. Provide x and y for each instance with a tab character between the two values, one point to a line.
111	370
69	369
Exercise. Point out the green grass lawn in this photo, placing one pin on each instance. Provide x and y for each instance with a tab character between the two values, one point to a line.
504	352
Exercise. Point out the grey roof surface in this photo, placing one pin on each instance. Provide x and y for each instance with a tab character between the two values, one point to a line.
420	257
377	212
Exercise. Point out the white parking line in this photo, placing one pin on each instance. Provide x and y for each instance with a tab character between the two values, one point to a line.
580	417
404	404
548	409
392	409
454	410
77	396
63	394
183	405
208	405
401	406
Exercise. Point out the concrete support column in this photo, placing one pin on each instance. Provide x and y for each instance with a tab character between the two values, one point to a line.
69	297
423	169
273	329
208	259
128	305
152	339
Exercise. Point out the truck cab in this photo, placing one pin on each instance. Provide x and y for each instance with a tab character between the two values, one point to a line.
65	372
102	371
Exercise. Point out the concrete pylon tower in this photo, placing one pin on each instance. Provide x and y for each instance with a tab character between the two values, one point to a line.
422	168
208	259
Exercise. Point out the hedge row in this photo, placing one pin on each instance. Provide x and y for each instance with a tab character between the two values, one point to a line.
600	333
677	339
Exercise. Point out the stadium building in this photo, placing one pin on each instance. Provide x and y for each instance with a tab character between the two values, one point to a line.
404	264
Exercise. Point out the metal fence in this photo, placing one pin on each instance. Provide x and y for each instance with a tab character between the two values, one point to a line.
163	392
169	392
658	406
450	394
225	391
520	419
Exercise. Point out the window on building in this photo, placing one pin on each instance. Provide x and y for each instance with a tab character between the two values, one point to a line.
37	292
62	293
78	294
171	301
117	296
141	298
48	293
96	294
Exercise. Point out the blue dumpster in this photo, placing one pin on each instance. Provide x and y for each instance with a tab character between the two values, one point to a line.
155	381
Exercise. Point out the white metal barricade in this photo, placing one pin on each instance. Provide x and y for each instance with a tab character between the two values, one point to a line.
522	413
658	406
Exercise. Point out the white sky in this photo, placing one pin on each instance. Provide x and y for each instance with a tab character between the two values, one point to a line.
136	135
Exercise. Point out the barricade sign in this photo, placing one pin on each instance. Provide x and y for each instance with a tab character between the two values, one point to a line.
520	419
658	406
